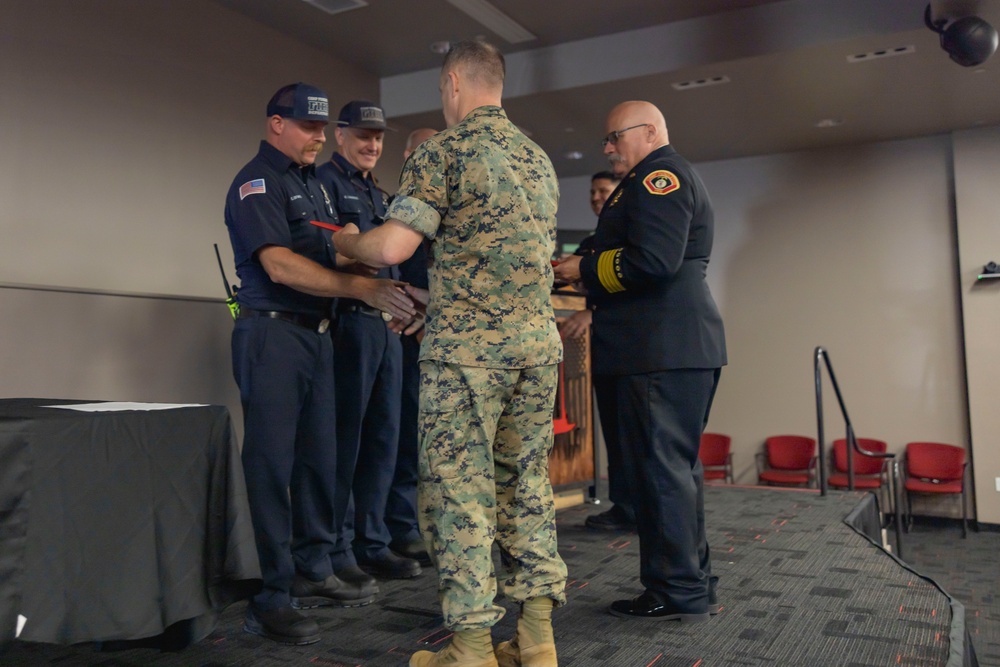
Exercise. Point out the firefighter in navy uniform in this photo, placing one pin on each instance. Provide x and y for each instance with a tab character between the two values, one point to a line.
283	364
659	341
401	510
368	356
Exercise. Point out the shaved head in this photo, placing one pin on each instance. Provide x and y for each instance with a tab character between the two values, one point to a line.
635	129
416	138
634	113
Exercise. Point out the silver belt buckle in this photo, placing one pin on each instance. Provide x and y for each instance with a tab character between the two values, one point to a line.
324	324
386	316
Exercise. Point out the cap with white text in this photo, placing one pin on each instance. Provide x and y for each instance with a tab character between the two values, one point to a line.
300	101
363	115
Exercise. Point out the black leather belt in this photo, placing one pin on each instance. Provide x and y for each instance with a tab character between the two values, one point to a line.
317	324
358	308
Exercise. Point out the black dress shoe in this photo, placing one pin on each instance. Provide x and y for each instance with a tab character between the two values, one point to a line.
615	519
331	592
284	625
390	566
414	550
647	607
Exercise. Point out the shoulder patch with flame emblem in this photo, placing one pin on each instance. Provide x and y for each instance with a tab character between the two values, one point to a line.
661	182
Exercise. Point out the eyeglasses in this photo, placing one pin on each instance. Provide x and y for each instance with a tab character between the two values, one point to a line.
613	137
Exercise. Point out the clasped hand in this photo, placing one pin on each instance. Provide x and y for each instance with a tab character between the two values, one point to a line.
567	271
406	304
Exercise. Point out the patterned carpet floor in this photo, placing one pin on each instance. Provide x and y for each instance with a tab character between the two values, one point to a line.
969	569
799	587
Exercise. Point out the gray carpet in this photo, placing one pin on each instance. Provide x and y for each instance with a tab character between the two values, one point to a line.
969	569
799	587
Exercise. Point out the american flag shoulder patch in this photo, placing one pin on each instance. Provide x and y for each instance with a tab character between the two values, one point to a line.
254	187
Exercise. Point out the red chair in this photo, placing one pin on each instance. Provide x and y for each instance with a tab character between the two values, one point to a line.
869	472
715	456
933	467
787	460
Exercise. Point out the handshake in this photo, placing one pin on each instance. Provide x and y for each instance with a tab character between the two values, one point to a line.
403	306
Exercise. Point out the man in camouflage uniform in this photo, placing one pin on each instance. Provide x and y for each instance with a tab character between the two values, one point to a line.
486	196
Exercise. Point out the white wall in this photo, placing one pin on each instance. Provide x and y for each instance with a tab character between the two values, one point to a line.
58	344
851	249
977	163
123	124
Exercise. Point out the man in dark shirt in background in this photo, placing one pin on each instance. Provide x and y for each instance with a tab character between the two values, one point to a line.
401	510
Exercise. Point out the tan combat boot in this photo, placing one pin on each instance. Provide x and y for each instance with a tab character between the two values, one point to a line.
534	644
468	648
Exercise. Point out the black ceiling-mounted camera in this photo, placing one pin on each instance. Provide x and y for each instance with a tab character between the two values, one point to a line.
969	40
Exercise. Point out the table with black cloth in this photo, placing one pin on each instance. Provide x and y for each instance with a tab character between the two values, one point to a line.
126	528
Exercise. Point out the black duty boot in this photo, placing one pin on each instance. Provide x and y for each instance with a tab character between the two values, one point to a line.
615	519
331	592
284	625
390	566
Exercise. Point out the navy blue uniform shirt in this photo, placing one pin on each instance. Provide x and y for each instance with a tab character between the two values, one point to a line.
356	198
271	202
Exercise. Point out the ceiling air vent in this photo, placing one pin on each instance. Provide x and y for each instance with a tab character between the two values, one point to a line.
700	83
881	53
336	6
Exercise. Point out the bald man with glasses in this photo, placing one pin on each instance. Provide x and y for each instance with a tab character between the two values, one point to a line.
658	349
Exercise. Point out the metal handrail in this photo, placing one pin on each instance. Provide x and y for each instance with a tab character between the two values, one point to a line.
852	442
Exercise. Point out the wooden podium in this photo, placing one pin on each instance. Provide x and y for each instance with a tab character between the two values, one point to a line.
571	463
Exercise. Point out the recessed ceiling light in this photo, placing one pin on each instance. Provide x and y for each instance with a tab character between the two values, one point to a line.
829	122
881	53
440	48
573	155
700	83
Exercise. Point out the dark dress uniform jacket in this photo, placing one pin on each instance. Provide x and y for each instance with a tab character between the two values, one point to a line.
652	307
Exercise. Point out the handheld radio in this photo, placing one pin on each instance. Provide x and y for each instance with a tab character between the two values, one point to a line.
234	307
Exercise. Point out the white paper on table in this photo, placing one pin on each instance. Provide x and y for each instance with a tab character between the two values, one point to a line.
21	620
119	406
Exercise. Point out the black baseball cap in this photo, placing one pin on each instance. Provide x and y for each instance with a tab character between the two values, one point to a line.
299	101
362	114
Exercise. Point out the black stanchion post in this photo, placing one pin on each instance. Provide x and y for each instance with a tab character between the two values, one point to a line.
819	418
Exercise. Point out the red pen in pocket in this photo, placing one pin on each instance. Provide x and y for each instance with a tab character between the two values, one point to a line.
326	225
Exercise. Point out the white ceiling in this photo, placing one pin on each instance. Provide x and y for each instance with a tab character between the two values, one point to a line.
786	63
